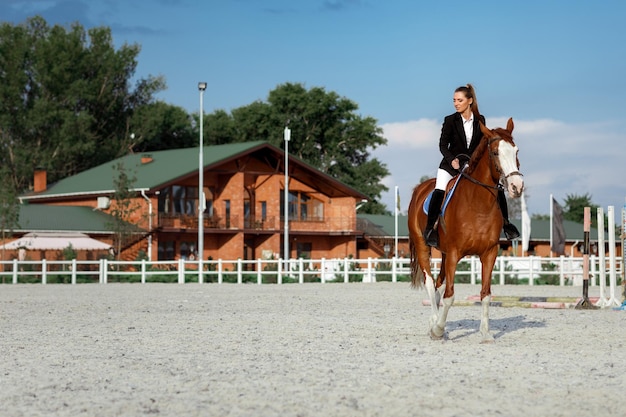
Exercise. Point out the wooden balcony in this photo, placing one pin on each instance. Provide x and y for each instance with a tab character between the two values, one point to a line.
273	223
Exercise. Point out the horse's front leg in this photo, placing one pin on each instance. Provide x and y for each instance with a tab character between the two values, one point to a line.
488	261
486	337
447	288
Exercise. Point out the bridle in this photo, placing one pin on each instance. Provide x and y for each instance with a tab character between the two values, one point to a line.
493	157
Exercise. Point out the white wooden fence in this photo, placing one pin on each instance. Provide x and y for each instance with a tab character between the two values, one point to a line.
508	270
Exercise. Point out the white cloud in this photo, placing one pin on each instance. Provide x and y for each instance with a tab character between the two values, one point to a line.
421	133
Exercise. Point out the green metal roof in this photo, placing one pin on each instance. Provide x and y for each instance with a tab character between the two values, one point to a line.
38	217
171	165
164	167
384	225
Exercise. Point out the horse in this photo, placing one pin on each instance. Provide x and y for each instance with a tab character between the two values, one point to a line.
470	224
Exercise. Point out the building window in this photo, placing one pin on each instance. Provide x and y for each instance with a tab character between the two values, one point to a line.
188	251
227	212
302	207
263	210
166	250
304	250
178	200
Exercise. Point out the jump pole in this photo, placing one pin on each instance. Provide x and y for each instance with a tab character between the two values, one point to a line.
613	301
602	300
584	303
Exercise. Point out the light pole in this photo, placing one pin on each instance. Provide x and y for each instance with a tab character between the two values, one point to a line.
201	203
287	135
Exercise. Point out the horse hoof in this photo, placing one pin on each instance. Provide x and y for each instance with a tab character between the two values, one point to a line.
436	335
488	339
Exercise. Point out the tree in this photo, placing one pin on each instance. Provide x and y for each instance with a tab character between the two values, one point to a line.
123	209
159	126
326	133
9	206
66	99
574	209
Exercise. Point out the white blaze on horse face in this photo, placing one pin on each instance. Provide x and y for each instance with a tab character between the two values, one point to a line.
508	162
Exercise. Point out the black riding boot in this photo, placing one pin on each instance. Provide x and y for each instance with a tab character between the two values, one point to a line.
510	231
431	235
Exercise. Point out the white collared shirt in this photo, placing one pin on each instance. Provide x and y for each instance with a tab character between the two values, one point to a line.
468	126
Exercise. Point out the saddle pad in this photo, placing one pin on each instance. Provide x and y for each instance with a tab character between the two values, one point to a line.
446	200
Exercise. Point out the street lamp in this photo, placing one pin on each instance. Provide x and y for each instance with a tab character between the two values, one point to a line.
201	88
287	135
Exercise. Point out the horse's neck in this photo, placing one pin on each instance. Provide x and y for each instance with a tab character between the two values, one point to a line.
483	171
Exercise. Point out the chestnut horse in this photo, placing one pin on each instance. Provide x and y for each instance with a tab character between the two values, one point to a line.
470	224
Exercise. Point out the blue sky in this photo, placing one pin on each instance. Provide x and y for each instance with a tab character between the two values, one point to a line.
557	67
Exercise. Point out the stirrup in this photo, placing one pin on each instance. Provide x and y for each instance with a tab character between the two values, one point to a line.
432	237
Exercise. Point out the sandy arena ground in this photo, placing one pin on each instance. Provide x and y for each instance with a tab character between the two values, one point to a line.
300	350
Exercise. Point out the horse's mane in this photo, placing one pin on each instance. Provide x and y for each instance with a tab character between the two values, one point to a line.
478	153
482	148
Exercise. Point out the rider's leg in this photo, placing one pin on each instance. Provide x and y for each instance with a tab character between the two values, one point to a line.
431	235
510	231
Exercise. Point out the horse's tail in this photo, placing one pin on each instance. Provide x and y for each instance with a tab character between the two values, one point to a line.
417	275
417	244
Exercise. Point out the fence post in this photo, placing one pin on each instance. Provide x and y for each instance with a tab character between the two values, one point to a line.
301	270
239	272
143	271
472	270
220	277
346	276
15	271
74	271
501	272
105	271
279	270
181	271
44	272
394	271
370	274
259	277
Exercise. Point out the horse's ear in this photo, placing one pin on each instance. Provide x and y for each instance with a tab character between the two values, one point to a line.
509	125
484	129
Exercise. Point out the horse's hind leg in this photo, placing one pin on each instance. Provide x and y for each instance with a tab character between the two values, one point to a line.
433	296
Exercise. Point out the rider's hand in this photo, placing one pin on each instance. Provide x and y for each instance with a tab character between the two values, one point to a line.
455	164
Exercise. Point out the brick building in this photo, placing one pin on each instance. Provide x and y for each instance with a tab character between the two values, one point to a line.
243	204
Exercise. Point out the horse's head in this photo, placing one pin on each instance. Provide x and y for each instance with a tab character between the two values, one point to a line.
503	149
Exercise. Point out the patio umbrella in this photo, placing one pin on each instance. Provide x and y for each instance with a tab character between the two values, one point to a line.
56	241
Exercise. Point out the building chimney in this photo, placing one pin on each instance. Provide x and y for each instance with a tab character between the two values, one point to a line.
41	180
146	159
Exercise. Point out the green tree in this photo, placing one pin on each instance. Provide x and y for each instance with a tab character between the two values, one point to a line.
124	209
219	128
326	132
159	126
66	99
574	208
9	206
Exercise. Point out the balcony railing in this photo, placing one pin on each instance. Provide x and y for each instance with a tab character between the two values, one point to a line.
328	224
